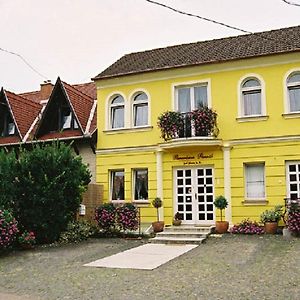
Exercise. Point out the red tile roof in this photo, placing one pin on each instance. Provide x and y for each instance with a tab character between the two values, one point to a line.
88	88
35	96
10	140
66	134
219	50
24	111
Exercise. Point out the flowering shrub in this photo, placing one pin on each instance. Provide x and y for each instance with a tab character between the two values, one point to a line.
247	227
8	229
105	216
77	232
27	238
204	121
171	123
294	218
127	217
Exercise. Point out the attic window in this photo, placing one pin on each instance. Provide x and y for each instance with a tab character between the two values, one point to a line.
7	126
67	119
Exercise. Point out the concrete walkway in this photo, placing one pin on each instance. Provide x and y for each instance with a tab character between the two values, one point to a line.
145	257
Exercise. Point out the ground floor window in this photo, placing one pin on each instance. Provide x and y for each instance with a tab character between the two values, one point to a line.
293	180
117	185
140	181
255	181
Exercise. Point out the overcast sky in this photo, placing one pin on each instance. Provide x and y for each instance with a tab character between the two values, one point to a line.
77	39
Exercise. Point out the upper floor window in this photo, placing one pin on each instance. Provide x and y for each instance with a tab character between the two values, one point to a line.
117	112
7	125
191	97
293	86
140	110
251	103
67	119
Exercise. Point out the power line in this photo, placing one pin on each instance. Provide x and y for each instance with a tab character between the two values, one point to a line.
291	3
199	17
25	61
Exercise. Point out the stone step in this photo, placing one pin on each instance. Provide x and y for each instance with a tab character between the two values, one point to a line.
182	234
186	228
176	240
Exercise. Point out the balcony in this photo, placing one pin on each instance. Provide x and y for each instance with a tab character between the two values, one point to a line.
189	128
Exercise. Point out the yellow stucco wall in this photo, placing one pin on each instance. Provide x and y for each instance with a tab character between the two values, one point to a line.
224	79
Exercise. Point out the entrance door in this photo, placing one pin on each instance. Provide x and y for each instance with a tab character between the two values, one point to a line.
194	195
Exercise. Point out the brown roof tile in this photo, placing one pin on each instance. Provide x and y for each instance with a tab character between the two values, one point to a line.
88	88
218	50
61	135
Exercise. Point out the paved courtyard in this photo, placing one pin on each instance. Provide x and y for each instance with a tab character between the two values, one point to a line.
228	267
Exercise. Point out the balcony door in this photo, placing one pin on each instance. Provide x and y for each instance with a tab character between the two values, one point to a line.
194	195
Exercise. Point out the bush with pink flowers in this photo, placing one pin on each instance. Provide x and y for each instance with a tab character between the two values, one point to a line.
105	215
127	217
294	218
8	229
247	227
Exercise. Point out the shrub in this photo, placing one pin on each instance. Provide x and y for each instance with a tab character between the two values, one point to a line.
27	238
105	216
294	218
8	229
127	217
49	188
171	123
77	231
8	177
247	227
273	215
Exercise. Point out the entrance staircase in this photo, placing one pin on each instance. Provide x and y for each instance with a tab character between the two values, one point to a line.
184	234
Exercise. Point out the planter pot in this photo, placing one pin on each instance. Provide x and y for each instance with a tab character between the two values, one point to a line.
222	226
286	233
158	226
176	222
271	227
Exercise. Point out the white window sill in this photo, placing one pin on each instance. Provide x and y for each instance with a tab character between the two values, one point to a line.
117	201
140	202
128	130
291	115
252	118
255	202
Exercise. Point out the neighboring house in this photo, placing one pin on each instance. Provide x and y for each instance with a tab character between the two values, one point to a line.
251	81
60	112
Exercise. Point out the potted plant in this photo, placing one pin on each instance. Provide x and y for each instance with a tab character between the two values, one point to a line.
270	219
221	203
157	226
177	219
171	124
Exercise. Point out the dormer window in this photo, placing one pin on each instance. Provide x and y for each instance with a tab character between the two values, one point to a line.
67	119
7	125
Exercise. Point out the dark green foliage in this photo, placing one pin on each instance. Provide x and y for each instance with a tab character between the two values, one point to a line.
221	203
8	168
77	231
50	185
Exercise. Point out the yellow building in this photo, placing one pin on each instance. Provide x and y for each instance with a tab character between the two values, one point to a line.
251	81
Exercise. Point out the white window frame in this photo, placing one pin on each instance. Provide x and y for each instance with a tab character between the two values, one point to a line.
286	93
111	183
111	107
253	164
288	191
241	82
134	182
136	103
191	84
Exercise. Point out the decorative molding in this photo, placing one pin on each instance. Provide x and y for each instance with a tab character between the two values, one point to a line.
128	130
127	150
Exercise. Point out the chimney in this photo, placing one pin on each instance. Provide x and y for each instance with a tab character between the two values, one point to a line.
46	89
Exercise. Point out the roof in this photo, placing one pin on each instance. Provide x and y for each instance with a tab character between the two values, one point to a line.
219	50
28	113
24	112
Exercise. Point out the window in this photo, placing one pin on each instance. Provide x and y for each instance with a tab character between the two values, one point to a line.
191	98
293	180
117	112
251	97
140	184
117	185
293	86
140	110
67	119
255	181
7	125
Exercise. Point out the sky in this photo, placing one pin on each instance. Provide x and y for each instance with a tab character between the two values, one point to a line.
77	39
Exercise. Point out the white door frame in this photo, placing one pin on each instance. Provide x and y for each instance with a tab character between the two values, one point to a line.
194	195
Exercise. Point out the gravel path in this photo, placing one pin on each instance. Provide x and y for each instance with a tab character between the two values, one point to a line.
230	267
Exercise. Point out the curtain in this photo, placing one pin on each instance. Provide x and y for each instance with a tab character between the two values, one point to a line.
141	115
255	181
252	103
184	100
200	94
118	117
294	95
